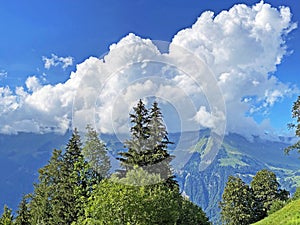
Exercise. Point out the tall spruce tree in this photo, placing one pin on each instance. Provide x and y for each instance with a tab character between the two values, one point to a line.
149	141
159	158
64	186
23	215
137	145
7	217
95	153
41	200
73	186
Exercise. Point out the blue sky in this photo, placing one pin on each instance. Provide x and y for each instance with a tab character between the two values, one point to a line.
35	30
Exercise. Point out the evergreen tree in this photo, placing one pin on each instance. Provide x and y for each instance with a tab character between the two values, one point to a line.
237	203
64	186
7	217
23	215
157	153
148	145
42	199
72	187
137	145
95	152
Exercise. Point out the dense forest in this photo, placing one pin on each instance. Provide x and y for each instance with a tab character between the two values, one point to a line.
78	187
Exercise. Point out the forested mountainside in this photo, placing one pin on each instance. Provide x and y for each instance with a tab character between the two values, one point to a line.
22	155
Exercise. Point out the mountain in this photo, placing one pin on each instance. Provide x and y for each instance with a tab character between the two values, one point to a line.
20	158
236	156
201	166
290	214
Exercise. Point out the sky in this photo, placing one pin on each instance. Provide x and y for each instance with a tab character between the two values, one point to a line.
231	66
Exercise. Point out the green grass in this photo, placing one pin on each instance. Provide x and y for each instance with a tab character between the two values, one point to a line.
199	146
288	215
234	157
232	161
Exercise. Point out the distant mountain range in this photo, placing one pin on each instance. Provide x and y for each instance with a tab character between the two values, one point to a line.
202	166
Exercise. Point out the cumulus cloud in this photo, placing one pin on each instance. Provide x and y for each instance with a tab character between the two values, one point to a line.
54	60
217	74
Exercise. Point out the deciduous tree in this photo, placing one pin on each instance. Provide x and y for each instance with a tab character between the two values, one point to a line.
266	191
296	126
237	203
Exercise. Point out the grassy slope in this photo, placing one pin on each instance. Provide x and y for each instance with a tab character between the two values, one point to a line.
288	215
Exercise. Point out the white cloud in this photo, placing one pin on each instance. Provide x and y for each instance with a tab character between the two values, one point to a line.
3	74
33	84
54	60
216	74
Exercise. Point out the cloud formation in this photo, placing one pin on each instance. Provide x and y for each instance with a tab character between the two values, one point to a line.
54	60
217	74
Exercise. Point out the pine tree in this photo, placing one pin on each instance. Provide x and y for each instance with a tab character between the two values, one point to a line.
95	152
72	185
137	145
41	200
23	214
148	145
7	217
159	158
64	186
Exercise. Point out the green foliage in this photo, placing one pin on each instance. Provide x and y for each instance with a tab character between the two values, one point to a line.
23	215
191	214
95	152
295	115
7	217
266	191
147	147
64	186
242	204
237	203
117	202
137	145
42	199
71	190
157	144
139	198
288	215
276	205
296	194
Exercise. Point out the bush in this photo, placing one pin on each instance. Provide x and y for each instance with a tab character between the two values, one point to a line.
276	205
296	194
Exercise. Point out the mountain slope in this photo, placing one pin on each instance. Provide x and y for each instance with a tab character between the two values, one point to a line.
288	215
20	158
22	155
236	156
